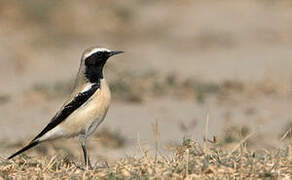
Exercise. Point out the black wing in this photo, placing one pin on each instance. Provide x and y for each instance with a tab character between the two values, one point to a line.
68	109
30	145
80	99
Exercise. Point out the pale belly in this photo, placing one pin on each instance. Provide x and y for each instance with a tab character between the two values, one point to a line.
85	120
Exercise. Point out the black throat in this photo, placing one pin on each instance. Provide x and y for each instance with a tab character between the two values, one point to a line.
94	73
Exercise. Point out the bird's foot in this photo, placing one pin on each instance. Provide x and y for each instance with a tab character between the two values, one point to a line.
88	165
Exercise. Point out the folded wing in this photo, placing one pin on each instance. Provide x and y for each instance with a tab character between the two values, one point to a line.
61	116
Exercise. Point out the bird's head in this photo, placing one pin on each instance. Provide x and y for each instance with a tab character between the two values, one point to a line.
98	56
93	61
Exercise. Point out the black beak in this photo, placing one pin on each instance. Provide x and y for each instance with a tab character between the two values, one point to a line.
115	53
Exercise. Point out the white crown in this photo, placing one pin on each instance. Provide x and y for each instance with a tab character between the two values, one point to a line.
94	50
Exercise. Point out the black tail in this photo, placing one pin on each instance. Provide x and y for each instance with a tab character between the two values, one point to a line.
30	145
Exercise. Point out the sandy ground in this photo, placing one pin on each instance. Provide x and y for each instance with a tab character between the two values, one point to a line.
246	41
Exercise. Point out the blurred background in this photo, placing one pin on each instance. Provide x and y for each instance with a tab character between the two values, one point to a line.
185	61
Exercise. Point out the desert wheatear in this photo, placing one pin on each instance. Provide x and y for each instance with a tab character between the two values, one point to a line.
85	108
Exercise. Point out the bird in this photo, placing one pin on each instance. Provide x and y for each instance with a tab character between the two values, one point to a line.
86	107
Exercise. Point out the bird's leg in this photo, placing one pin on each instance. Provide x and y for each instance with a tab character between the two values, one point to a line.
86	157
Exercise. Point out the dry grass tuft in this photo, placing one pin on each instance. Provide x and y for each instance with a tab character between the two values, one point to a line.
187	161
